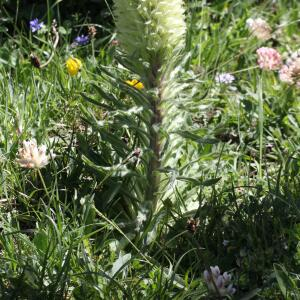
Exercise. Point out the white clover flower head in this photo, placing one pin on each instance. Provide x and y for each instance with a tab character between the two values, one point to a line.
218	283
259	28
31	156
225	78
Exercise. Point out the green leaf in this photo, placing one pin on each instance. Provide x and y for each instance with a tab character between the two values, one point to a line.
251	294
196	138
120	263
188	179
96	102
41	241
285	282
110	171
194	181
211	182
109	97
62	30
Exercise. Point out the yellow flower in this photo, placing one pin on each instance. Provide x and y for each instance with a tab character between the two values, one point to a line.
73	65
135	83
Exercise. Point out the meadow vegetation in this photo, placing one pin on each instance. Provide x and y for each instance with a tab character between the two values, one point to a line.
150	150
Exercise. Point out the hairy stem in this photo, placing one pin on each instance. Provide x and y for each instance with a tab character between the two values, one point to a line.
154	145
154	162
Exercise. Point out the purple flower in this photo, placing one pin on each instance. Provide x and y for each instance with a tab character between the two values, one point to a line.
35	25
82	40
218	283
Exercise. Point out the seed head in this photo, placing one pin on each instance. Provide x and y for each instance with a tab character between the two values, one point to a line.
92	32
192	225
35	61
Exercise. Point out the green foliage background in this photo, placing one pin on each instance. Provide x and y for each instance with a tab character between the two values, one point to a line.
76	231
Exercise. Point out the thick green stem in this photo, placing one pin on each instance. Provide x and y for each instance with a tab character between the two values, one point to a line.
154	162
153	175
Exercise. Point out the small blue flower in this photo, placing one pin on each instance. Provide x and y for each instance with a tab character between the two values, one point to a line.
82	40
35	25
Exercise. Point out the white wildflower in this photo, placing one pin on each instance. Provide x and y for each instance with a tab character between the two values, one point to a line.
140	219
259	28
225	78
31	156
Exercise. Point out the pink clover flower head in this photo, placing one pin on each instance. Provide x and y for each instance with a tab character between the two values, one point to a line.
268	58
290	72
285	75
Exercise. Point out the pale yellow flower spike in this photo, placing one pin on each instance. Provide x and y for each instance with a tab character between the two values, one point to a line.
135	83
73	65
